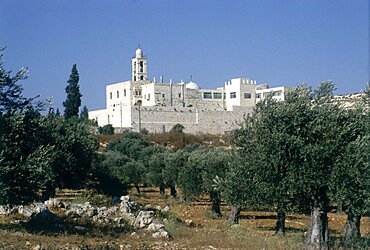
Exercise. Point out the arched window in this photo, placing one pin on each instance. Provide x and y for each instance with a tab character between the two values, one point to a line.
117	94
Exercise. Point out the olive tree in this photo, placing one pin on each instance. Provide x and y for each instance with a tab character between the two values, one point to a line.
25	159
350	179
267	149
198	176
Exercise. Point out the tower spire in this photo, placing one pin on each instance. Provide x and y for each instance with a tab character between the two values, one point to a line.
139	66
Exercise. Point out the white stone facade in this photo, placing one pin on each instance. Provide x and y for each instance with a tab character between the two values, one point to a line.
157	107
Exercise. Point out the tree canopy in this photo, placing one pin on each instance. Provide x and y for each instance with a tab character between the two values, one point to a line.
73	100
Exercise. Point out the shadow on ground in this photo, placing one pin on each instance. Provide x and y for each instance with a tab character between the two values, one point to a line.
51	224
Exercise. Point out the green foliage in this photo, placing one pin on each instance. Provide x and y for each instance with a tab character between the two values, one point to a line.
84	115
268	149
11	99
106	130
299	153
174	162
75	147
144	131
130	144
122	163
114	165
190	179
155	156
26	160
240	187
73	100
38	153
177	128
350	178
105	180
202	167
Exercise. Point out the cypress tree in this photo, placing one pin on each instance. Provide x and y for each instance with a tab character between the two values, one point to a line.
84	115
73	101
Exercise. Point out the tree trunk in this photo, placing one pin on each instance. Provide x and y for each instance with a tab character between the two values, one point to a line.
234	216
182	198
352	227
173	191
216	201
137	189
317	234
161	190
280	223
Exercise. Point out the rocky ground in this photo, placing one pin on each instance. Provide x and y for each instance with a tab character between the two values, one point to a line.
148	221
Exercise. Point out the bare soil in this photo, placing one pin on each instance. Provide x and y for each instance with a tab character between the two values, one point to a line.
190	225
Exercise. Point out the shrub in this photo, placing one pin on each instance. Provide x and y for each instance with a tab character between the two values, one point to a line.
106	130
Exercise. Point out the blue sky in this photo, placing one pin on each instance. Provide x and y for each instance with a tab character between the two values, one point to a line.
281	42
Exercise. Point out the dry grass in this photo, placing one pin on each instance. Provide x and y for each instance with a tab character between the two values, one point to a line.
180	140
172	140
254	232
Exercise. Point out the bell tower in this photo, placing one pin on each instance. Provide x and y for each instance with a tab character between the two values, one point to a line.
139	66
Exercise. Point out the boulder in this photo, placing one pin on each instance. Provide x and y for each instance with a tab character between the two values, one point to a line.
143	219
165	209
155	226
127	206
53	202
161	234
91	212
38	207
6	209
25	210
46	215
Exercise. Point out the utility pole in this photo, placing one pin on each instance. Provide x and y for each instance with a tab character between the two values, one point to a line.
139	103
120	107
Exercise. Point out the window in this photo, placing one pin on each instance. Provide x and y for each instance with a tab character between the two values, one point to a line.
141	67
163	95
207	95
247	95
278	93
179	95
232	95
124	92
258	96
110	94
117	94
134	78
217	95
141	77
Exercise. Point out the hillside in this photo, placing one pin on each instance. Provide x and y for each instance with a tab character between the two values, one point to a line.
189	224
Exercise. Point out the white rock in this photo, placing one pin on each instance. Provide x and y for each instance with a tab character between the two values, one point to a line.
143	219
161	234
153	227
165	209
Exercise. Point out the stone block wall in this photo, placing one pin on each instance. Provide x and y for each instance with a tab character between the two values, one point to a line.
162	119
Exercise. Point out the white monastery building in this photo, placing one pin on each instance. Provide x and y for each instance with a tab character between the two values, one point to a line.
157	106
